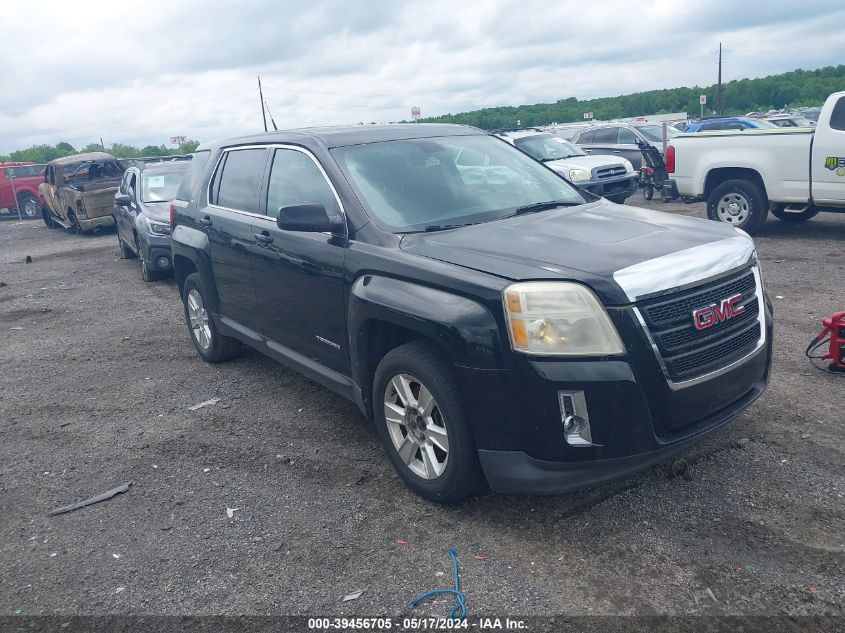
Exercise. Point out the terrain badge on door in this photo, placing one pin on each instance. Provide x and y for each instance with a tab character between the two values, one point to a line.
327	342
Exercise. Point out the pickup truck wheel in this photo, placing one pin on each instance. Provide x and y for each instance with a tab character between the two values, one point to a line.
420	420
794	216
28	205
74	227
739	203
211	345
48	219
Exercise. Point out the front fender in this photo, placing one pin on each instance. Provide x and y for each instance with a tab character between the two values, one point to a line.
465	329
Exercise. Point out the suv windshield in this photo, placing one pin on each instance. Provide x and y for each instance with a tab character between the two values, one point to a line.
655	132
412	184
160	186
546	147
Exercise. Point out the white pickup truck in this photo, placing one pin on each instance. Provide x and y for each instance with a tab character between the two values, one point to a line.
794	172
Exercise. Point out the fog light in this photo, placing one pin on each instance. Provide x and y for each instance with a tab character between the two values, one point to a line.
575	418
163	262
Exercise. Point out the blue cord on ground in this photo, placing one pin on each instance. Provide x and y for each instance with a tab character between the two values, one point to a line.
459	596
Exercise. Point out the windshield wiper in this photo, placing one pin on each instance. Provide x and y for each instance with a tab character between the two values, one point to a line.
443	227
544	206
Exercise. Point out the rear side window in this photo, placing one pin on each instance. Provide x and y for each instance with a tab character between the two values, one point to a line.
837	117
607	135
295	179
238	180
627	137
192	176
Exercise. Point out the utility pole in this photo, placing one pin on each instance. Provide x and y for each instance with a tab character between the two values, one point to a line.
719	85
261	96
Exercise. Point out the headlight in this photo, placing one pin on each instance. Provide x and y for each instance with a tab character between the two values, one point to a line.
558	318
159	228
578	175
628	166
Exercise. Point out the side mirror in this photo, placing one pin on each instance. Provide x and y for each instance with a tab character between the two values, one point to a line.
122	200
310	217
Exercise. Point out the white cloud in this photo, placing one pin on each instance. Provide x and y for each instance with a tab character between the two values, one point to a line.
139	73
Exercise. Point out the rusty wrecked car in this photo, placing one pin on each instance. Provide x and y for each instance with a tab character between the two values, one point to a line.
79	190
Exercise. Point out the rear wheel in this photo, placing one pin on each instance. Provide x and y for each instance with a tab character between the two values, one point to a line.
28	205
421	422
784	215
739	203
211	345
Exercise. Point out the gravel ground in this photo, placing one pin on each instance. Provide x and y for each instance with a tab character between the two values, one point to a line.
99	372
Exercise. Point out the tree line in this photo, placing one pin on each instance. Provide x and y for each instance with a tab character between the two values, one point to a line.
791	89
45	153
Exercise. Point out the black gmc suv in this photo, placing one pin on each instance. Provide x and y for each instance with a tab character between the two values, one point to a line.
497	324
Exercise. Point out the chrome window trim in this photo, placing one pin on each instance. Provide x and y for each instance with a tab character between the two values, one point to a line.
686	268
761	320
264	216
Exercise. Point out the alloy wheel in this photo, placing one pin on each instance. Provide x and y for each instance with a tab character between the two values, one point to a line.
198	317
416	426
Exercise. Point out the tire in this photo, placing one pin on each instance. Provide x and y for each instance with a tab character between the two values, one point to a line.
147	274
446	476
74	228
618	199
738	203
648	192
802	216
28	205
219	348
48	219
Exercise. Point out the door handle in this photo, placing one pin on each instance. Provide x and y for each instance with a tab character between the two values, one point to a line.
206	221
264	238
617	151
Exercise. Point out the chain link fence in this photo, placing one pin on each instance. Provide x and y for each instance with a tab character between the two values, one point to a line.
19	197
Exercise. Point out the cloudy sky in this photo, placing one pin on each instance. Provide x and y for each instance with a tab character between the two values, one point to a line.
140	72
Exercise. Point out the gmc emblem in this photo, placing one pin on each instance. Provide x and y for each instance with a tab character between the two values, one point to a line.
704	318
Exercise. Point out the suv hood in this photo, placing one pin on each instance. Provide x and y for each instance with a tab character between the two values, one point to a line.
583	162
621	252
158	211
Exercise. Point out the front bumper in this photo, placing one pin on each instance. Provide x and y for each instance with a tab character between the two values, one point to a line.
156	248
636	418
623	185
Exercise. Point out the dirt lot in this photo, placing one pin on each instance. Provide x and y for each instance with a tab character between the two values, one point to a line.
99	372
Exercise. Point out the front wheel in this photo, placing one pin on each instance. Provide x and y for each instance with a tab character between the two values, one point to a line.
618	198
211	345
739	203
420	419
648	192
147	273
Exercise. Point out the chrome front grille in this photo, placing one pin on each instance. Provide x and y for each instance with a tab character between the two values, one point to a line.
687	352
